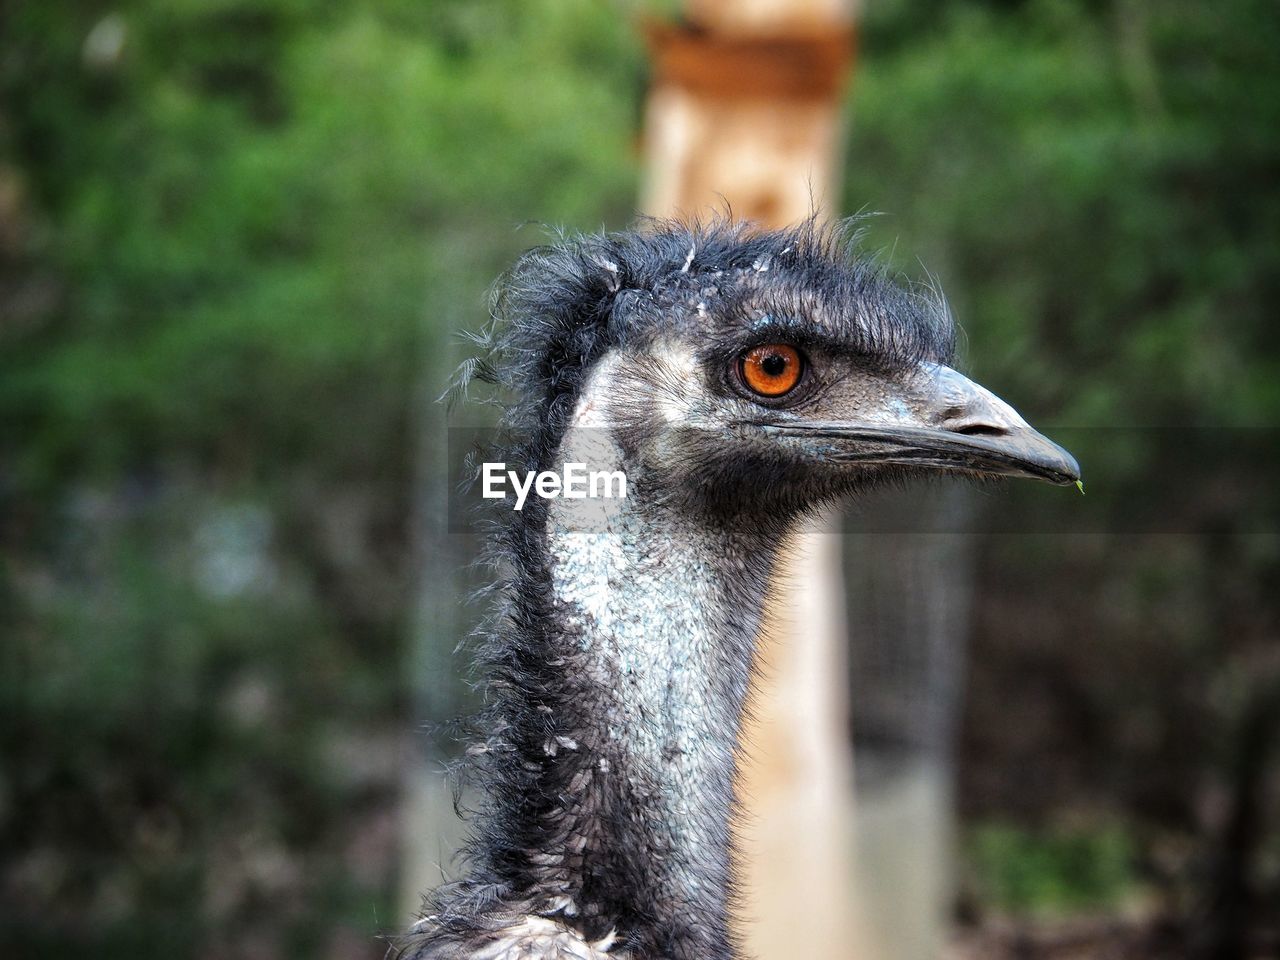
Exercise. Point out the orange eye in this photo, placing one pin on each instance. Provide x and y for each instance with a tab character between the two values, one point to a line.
771	370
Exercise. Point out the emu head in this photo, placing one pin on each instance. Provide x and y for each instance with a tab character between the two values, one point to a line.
750	373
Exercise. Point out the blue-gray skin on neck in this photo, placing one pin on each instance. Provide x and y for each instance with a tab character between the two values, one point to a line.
659	610
624	697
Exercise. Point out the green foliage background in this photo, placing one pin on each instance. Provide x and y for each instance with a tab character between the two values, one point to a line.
235	234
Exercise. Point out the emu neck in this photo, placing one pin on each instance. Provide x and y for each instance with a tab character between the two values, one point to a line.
654	617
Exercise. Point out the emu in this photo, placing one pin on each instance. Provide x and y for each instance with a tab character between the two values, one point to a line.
740	379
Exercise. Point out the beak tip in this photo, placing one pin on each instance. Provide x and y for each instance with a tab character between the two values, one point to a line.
1067	468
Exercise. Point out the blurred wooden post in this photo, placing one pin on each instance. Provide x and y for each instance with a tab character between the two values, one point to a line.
746	110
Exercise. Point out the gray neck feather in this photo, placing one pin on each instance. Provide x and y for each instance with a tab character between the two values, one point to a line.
659	613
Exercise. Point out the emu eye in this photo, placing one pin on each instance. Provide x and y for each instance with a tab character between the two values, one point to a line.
772	369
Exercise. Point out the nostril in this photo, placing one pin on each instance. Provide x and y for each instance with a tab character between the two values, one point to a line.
980	430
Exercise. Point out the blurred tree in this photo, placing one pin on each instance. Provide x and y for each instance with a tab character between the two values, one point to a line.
1094	185
221	228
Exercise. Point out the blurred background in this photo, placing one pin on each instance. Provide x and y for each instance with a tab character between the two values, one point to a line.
237	238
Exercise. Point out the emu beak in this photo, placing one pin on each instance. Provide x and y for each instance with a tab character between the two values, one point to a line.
940	419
